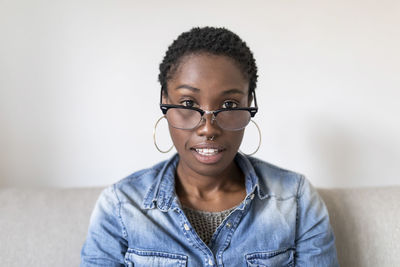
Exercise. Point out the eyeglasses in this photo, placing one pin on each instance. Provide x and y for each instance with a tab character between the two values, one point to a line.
188	118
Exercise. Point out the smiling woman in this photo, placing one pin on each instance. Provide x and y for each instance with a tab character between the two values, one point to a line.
209	205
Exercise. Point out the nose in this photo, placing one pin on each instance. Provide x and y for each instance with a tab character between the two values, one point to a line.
211	113
209	128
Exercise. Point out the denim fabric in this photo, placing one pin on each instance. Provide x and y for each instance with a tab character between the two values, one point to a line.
281	222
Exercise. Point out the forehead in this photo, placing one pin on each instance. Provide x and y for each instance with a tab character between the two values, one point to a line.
208	73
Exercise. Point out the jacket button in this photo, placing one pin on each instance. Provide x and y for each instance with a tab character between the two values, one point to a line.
228	224
210	262
186	227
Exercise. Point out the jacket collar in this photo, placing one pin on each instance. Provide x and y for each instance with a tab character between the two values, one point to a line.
161	193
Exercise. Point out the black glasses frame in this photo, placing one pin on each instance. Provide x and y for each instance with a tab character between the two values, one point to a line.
253	110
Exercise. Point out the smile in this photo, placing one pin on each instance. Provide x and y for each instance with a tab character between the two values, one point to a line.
208	154
207	151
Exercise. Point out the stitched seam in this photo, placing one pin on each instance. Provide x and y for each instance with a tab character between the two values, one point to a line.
119	205
163	254
268	254
151	190
297	216
198	243
301	184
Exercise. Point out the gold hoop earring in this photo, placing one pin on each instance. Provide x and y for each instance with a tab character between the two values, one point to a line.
259	140
154	136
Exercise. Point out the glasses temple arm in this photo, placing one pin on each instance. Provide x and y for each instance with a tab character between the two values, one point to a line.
255	99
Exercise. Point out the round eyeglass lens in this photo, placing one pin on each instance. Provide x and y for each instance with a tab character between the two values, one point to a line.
233	119
183	118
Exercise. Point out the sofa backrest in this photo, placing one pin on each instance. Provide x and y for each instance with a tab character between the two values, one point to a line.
44	227
366	222
47	227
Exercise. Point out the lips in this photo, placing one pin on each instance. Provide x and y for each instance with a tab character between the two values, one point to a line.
207	153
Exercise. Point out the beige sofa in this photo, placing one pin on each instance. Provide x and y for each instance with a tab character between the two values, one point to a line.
46	227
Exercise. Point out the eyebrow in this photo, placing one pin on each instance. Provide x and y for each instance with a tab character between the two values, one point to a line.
197	90
233	91
191	88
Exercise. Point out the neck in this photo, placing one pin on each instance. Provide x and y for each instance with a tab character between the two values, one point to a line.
208	188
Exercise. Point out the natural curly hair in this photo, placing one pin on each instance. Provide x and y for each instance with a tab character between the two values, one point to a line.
216	41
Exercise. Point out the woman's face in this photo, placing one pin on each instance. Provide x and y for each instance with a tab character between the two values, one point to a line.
208	82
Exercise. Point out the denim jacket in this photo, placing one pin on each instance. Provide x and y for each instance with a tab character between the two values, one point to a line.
281	222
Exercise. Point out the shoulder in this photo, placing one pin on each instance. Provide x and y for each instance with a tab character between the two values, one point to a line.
134	187
276	181
141	176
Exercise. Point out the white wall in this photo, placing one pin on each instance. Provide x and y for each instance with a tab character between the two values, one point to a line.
79	91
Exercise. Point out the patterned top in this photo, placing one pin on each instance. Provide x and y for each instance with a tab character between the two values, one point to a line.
204	222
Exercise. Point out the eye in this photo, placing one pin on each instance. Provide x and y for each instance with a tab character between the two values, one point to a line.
187	103
230	104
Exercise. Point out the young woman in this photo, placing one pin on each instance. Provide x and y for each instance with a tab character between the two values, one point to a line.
209	205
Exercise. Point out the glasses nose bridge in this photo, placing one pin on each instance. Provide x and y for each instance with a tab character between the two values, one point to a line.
206	112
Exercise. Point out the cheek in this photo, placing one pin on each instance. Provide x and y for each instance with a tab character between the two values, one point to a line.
237	138
179	138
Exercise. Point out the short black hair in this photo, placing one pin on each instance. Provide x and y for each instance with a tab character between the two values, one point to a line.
216	41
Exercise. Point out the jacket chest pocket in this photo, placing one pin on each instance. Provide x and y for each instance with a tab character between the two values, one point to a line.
278	258
145	258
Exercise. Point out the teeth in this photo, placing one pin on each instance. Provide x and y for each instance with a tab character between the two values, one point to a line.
207	151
